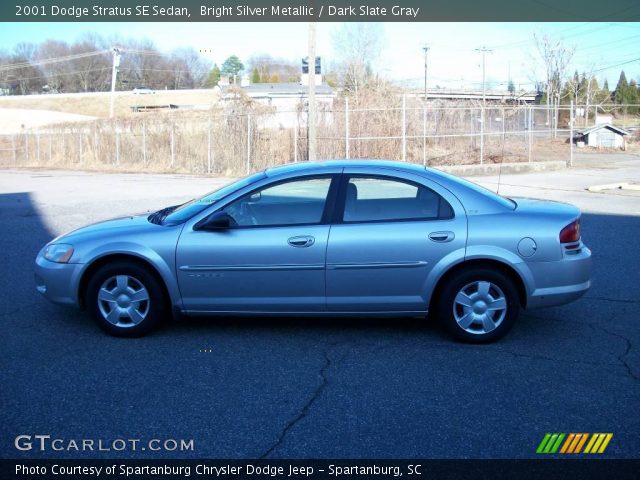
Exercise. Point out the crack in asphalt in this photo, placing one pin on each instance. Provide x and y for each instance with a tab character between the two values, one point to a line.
621	358
616	300
305	408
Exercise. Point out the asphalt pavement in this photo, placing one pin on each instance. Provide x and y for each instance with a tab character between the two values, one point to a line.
317	388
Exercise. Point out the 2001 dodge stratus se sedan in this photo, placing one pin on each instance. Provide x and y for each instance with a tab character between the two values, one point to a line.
350	238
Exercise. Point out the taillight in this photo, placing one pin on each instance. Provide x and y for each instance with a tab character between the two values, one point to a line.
570	233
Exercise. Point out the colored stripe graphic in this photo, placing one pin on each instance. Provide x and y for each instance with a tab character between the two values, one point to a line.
567	443
574	443
556	445
598	442
577	438
550	443
543	443
581	442
605	443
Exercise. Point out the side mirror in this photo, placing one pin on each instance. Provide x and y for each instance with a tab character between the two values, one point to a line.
215	221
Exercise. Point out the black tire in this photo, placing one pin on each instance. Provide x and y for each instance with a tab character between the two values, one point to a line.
148	313
472	284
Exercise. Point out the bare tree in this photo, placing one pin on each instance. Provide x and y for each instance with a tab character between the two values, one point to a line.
591	91
555	58
272	69
92	73
28	77
143	64
357	47
190	69
57	73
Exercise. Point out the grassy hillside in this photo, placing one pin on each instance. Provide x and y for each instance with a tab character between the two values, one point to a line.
97	104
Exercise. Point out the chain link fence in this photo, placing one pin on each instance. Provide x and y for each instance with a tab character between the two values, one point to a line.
249	139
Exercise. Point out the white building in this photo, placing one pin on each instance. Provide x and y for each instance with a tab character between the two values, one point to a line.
604	135
289	100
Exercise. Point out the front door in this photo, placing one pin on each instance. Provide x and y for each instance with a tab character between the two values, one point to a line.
271	260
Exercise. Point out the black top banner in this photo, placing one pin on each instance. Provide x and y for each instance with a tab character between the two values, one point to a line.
319	11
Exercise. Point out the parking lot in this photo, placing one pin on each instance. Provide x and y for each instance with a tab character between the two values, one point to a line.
318	388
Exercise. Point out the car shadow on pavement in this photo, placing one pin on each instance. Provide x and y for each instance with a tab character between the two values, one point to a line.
24	232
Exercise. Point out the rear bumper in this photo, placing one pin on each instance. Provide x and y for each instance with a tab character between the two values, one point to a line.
57	281
560	282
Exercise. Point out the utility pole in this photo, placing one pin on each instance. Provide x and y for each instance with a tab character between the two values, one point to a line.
312	93
425	48
483	51
114	73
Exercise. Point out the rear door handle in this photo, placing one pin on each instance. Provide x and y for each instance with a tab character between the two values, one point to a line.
442	237
301	241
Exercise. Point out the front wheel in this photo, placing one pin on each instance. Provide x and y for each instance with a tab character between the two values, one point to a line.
478	306
125	299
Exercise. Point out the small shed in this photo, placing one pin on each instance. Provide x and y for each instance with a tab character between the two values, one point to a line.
604	135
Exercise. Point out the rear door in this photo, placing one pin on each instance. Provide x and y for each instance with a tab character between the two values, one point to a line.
390	229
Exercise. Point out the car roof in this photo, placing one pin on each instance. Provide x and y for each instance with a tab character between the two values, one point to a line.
320	166
331	164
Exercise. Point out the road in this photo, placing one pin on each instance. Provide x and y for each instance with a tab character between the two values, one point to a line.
317	388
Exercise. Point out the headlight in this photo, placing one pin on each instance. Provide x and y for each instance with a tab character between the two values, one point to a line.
58	252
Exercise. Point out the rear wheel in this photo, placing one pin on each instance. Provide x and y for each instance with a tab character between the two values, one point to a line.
478	306
125	299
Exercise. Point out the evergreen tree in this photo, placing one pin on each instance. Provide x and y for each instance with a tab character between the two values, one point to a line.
255	75
214	77
604	94
622	89
231	67
583	88
633	96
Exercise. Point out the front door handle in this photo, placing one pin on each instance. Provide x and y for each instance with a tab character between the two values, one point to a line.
301	241
442	237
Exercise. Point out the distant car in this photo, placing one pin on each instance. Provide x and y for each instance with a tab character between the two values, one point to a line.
338	238
142	90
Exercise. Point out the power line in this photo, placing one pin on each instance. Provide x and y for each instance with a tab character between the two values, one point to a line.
613	42
616	65
48	61
533	41
72	57
62	74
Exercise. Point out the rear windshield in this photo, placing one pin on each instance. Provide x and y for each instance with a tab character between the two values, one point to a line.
504	201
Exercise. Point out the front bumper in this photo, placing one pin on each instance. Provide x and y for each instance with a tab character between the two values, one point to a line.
58	282
561	282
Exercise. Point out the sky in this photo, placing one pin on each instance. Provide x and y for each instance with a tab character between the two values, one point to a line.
604	48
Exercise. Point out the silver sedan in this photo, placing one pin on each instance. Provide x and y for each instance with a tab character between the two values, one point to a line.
337	238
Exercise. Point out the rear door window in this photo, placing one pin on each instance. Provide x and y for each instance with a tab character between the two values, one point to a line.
379	199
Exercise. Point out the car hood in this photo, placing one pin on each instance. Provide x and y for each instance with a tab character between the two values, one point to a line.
109	228
545	207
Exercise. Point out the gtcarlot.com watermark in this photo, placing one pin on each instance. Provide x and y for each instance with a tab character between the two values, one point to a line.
48	443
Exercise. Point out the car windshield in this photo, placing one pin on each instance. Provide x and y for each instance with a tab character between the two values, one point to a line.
197	205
